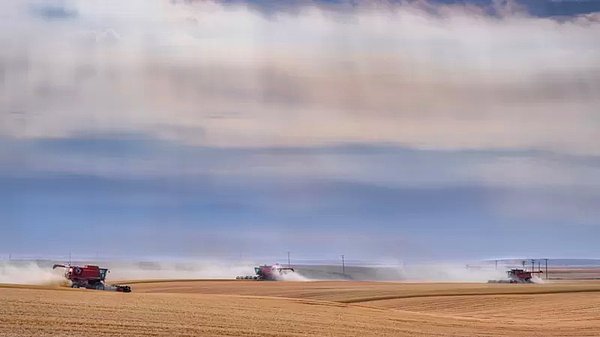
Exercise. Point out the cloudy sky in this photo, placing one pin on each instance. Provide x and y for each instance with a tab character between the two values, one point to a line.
381	130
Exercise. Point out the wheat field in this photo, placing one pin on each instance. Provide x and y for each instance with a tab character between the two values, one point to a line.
253	308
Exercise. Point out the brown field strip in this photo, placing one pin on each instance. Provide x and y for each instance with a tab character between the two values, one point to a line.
356	292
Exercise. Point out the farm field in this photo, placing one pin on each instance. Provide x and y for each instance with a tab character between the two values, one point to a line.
334	308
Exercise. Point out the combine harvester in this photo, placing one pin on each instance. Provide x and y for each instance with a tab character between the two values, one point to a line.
517	275
521	276
90	277
268	273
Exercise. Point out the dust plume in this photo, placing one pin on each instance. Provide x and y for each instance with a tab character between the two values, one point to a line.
29	272
294	277
450	272
538	280
178	270
207	269
41	272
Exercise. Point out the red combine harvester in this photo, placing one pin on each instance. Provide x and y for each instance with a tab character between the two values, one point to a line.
517	275
268	273
90	277
521	276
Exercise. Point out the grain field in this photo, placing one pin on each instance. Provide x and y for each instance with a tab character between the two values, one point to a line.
245	308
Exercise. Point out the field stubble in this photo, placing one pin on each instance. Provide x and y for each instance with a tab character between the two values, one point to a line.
250	308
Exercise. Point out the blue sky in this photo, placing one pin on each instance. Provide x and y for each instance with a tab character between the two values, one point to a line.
384	131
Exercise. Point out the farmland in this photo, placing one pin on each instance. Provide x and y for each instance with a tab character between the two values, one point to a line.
334	308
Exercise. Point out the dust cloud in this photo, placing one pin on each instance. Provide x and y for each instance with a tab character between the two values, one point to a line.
294	276
41	273
178	270
451	272
29	272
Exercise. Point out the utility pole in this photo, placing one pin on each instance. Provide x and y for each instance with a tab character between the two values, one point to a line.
496	264
546	268
532	265
343	266
289	264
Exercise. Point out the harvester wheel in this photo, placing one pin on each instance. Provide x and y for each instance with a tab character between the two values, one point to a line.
99	286
74	285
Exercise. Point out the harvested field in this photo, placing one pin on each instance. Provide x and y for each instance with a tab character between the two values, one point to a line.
251	308
575	273
355	292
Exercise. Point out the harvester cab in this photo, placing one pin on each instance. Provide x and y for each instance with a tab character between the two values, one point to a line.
103	272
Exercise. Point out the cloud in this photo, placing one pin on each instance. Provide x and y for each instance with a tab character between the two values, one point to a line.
460	80
569	205
363	180
423	122
130	155
51	12
541	8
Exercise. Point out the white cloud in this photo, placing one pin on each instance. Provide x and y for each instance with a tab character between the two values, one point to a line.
456	80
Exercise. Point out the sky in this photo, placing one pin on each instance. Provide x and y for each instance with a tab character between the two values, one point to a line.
382	130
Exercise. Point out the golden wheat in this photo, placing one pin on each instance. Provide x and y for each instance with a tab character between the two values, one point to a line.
252	308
